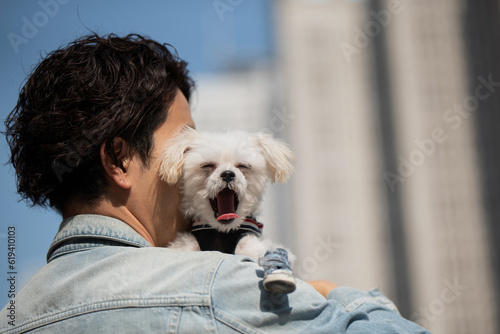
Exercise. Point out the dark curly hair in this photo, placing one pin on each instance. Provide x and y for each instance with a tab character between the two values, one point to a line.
80	96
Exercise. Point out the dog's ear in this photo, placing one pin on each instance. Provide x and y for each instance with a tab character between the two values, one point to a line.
278	157
172	159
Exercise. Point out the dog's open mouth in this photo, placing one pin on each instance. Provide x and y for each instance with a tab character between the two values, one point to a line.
225	205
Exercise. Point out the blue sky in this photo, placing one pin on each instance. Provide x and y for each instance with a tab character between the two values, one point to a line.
211	35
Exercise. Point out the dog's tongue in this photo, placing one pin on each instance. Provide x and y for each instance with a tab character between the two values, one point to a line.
225	203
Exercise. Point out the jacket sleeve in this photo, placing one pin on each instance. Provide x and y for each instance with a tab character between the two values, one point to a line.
379	310
241	304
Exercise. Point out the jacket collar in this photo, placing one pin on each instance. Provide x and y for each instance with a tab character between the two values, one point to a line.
84	232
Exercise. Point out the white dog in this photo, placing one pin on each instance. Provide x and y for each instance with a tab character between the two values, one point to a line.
222	178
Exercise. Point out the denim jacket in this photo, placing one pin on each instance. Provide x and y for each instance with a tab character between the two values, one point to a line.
103	277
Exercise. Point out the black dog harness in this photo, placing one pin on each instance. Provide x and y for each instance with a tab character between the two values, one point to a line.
211	239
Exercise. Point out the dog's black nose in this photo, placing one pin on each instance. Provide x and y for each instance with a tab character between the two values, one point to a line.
227	175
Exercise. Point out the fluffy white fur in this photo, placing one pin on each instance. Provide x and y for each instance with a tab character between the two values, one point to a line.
196	161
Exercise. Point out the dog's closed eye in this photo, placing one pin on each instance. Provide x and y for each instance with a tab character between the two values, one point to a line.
243	167
210	166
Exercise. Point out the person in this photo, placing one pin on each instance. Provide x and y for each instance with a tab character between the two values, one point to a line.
85	139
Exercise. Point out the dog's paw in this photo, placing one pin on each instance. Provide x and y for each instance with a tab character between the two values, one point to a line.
252	246
291	258
185	242
256	248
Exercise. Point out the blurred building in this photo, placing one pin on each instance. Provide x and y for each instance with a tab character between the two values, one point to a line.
339	216
388	170
390	107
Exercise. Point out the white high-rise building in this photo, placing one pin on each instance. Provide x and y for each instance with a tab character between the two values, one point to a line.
344	62
338	206
441	196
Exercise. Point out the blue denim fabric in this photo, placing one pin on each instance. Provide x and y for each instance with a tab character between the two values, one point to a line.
103	277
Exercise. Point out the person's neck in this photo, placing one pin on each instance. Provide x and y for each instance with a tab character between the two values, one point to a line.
158	226
105	207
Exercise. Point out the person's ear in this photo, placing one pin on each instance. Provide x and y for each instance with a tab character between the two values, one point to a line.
118	170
